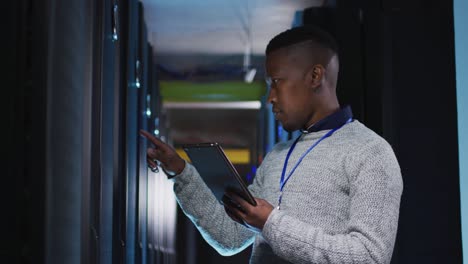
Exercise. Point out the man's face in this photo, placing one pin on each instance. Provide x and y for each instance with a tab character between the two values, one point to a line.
290	95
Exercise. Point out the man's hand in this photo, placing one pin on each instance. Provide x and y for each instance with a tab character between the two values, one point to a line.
244	213
170	160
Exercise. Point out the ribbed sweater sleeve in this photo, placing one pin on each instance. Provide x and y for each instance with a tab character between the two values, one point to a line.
203	209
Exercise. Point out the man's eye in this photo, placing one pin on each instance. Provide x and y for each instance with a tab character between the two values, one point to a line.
271	81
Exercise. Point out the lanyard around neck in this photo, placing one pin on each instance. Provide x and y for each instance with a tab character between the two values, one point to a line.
283	181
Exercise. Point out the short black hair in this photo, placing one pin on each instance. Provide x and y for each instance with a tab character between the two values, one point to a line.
301	34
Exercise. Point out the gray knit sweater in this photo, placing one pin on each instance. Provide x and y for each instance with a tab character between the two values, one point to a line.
341	204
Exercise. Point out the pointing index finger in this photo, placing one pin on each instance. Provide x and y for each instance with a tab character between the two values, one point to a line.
156	141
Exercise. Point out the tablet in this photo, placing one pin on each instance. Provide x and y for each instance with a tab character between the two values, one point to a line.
216	170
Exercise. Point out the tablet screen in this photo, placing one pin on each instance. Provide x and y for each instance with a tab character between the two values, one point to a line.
216	170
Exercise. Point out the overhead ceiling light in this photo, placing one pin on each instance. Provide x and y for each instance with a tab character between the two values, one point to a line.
250	75
213	105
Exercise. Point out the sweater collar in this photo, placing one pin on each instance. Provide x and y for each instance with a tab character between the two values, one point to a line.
332	121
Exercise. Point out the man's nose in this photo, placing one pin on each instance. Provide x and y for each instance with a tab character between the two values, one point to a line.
271	96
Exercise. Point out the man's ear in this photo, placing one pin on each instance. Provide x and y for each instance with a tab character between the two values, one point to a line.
316	74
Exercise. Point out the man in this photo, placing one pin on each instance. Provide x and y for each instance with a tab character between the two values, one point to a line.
331	196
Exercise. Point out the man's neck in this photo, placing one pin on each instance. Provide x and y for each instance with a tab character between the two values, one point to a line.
323	113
